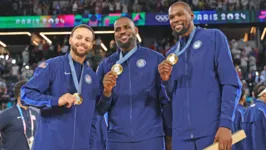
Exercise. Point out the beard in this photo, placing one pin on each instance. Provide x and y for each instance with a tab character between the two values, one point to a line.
128	44
75	50
176	34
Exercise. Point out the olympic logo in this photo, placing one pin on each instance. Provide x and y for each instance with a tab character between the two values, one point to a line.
162	18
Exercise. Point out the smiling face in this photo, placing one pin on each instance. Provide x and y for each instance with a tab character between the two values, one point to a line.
181	18
125	33
81	41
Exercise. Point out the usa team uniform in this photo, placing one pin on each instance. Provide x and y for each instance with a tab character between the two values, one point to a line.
204	88
135	108
255	126
238	124
62	128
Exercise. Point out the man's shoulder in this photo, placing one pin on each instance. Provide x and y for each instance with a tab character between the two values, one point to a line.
212	32
208	31
252	109
149	51
240	108
172	49
107	62
56	60
8	111
110	59
51	62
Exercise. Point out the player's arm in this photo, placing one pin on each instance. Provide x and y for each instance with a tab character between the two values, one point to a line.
161	90
165	72
33	92
104	100
168	142
229	80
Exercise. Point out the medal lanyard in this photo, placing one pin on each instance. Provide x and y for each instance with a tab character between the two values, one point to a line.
123	59
24	123
78	84
177	51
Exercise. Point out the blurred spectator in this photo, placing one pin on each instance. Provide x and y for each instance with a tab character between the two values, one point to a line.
263	75
252	63
244	65
64	49
236	53
57	7
25	55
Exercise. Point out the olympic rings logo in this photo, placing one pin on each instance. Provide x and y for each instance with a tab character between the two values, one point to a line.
162	18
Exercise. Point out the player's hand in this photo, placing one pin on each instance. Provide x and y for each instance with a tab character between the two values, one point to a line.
168	142
165	70
109	81
224	137
66	99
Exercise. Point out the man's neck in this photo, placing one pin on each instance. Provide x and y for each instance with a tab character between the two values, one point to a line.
189	31
20	105
77	58
125	50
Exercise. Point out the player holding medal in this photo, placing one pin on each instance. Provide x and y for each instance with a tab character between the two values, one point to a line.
132	94
173	57
203	84
65	89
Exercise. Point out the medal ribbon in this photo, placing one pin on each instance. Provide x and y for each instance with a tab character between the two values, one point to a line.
177	51
78	84
24	123
129	54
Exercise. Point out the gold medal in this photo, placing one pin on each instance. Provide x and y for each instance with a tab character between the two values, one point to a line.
79	99
172	59
117	69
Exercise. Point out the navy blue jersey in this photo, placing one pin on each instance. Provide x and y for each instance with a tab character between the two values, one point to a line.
204	86
255	126
238	124
135	107
12	129
62	128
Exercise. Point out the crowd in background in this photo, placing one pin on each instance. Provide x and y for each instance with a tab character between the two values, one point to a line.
83	7
250	64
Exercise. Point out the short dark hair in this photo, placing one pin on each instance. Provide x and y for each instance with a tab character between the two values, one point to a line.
125	17
185	4
260	89
257	88
17	87
83	26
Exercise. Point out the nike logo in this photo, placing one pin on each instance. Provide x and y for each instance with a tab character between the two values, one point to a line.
19	117
67	73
